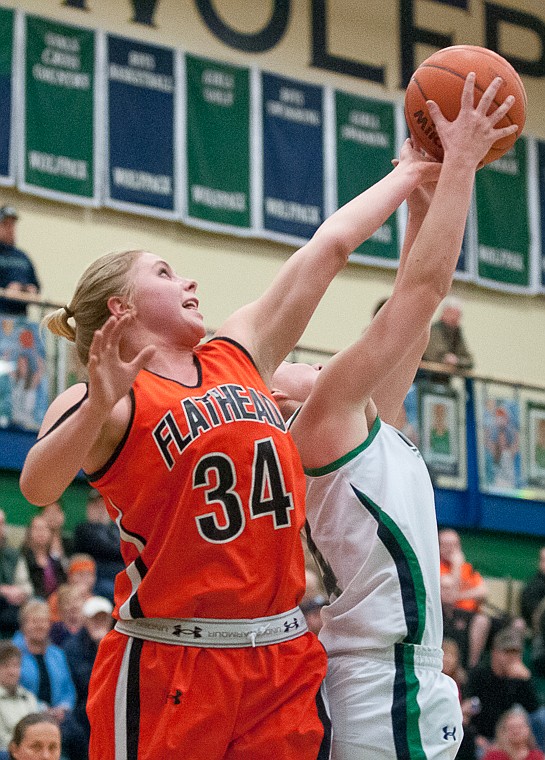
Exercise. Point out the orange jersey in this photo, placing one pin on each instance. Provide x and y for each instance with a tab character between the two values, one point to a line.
208	492
469	578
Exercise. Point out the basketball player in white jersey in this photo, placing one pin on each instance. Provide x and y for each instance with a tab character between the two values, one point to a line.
370	503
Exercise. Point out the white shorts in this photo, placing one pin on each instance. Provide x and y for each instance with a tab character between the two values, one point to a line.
393	704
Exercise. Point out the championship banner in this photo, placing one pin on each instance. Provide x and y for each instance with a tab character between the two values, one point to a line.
59	132
503	225
218	146
293	159
140	113
541	180
365	146
6	79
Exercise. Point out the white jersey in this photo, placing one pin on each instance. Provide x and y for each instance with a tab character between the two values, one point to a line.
373	529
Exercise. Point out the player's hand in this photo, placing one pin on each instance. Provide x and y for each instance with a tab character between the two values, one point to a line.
470	136
110	377
416	159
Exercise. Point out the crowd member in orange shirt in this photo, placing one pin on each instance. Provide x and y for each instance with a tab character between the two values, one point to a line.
472	591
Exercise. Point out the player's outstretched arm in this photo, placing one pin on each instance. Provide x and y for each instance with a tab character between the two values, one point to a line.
88	435
348	382
271	326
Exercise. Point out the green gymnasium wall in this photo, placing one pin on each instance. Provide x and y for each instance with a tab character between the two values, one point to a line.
20	512
502	555
493	554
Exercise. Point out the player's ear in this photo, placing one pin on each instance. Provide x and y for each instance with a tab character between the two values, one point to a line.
118	305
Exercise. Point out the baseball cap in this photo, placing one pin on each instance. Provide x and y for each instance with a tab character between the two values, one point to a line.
8	212
508	639
97	604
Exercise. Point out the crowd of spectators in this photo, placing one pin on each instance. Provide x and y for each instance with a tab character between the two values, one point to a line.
56	600
490	653
56	604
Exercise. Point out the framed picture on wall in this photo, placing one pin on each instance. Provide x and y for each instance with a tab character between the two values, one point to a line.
440	426
498	413
535	452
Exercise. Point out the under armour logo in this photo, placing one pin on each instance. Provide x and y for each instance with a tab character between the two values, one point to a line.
290	626
176	697
179	631
449	733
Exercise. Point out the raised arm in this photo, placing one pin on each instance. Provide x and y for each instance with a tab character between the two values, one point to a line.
271	326
80	429
345	387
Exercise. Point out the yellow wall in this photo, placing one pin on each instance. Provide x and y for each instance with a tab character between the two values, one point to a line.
506	333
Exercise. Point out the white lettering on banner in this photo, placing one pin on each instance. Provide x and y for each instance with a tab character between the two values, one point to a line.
208	196
62	78
499	257
160	82
61	42
140	60
159	184
214	78
376	139
289	113
363	119
61	166
383	234
293	212
218	97
506	165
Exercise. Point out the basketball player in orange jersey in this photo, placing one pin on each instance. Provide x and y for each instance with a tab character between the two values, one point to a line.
210	658
370	503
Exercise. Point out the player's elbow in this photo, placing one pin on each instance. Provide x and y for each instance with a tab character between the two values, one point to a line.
334	244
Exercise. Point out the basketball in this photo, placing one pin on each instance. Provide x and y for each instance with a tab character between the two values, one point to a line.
441	78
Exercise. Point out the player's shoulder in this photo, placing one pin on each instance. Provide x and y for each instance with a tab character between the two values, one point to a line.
64	402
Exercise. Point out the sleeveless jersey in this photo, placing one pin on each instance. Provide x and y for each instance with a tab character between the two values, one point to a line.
372	524
208	492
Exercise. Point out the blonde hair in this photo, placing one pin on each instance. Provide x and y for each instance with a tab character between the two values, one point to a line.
500	738
106	277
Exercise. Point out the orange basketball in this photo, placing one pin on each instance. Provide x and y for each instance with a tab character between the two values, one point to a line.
441	78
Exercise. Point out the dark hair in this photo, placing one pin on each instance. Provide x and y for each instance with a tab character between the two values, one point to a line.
7	651
32	719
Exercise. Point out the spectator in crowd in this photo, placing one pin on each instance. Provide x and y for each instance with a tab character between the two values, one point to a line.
81	651
470	630
446	344
70	602
533	592
17	273
453	668
99	537
61	544
15	586
503	683
45	672
514	739
470	587
82	575
36	737
15	700
46	571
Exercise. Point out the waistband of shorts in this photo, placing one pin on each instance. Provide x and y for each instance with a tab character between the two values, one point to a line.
418	654
215	633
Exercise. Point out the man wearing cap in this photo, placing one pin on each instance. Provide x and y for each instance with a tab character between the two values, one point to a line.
17	272
505	682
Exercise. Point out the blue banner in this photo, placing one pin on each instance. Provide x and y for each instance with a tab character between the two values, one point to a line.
6	74
141	85
293	157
